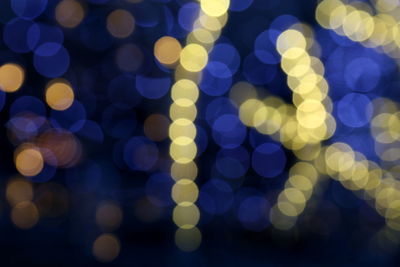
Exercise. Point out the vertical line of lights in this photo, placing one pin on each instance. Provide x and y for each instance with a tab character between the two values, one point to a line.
305	77
182	132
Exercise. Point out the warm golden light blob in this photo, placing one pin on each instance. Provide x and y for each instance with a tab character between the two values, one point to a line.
11	77
214	8
28	160
69	13
193	57
59	94
167	50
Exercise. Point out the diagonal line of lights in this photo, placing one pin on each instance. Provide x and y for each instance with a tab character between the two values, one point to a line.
299	129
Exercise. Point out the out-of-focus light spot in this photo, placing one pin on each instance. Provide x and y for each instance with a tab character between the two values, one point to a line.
156	127
152	88
269	160
218	107
193	57
233	163
362	74
291	39
27	8
184	91
184	171
279	25
183	152
25	215
311	114
120	23
186	215
59	94
216	79
108	216
185	191
188	239
228	131
72	119
167	50
224	55
69	13
242	92
216	197
106	248
214	8
15	35
129	57
265	50
60	148
354	110
19	190
28	160
253	213
51	60
140	154
187	15
41	33
11	77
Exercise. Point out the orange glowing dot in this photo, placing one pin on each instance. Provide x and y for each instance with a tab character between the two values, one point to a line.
120	23
11	77
69	13
25	215
167	50
29	161
59	94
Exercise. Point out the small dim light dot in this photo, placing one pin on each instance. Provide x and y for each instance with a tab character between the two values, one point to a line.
25	215
19	190
59	95
11	77
106	248
167	50
108	216
120	23
156	127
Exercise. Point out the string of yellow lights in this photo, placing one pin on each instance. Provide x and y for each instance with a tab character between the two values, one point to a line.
182	131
